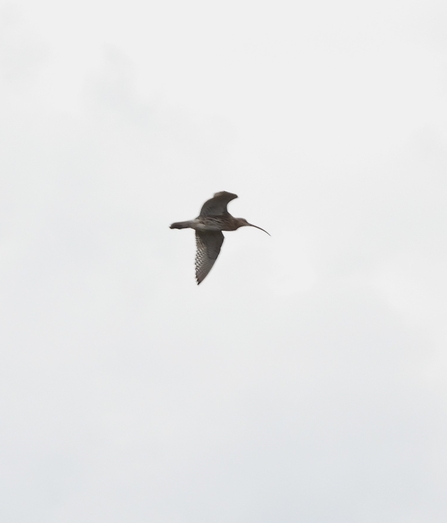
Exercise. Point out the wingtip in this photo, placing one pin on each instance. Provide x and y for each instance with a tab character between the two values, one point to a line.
225	193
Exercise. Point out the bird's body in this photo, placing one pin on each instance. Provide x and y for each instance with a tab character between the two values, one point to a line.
212	220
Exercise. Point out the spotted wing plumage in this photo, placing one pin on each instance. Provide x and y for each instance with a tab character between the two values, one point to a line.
217	205
208	249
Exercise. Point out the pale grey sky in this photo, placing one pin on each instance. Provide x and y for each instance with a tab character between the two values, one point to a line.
304	380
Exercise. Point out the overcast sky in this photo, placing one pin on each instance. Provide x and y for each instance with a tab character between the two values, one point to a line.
305	379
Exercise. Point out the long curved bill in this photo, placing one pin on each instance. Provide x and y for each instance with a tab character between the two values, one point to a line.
260	228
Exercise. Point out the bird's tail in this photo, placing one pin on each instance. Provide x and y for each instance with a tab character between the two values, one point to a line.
181	225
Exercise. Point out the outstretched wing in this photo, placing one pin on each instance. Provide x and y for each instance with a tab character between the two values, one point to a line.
208	249
217	205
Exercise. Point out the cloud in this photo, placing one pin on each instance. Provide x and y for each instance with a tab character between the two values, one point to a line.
305	378
22	52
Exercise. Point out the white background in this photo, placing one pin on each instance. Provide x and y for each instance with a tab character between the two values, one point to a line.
305	379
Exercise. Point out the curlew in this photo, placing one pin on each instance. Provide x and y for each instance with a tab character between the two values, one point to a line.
212	220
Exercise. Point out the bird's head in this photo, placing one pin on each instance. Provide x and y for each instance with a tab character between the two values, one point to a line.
242	222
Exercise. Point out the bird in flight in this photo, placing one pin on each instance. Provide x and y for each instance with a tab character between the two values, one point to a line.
212	220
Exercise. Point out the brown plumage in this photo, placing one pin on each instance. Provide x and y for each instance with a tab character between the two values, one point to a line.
212	220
